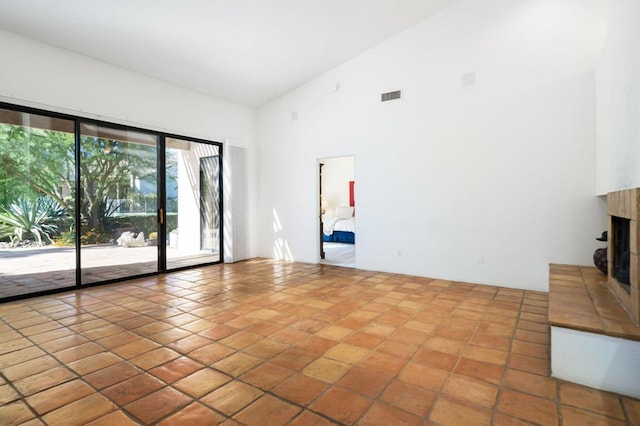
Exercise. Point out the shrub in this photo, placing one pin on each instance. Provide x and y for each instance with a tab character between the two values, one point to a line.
146	223
34	220
94	236
66	239
139	223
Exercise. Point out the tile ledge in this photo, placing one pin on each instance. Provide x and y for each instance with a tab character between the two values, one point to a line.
561	316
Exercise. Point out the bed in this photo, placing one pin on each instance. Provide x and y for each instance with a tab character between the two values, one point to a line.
339	225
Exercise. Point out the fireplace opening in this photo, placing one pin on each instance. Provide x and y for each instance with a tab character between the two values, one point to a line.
621	251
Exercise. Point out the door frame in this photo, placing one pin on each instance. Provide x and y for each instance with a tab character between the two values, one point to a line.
161	193
320	163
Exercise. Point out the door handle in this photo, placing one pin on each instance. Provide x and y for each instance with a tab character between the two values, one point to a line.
161	216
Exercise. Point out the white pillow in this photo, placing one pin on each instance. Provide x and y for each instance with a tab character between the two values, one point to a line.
344	211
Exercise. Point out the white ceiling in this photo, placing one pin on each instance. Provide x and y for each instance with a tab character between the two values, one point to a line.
245	51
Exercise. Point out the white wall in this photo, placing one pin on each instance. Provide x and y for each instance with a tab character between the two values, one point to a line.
618	100
238	234
485	184
189	196
595	360
42	76
336	175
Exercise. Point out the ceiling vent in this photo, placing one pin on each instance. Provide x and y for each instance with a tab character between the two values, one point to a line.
390	96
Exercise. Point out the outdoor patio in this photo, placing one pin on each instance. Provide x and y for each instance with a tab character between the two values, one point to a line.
31	270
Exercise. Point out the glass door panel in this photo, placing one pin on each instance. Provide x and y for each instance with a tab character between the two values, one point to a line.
37	203
119	203
192	203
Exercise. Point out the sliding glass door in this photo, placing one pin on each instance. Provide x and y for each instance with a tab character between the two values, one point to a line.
118	203
192	187
84	202
37	203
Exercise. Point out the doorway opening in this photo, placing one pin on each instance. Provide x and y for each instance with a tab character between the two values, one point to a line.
337	216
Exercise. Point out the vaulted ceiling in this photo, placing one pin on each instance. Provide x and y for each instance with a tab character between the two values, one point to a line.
244	51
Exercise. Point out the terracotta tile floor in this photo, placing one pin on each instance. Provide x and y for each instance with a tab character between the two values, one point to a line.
269	343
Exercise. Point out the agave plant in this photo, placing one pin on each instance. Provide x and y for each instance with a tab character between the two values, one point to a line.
25	218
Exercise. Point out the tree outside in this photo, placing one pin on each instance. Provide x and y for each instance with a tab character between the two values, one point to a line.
37	183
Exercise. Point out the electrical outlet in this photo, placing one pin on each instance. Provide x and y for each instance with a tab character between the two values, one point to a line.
480	258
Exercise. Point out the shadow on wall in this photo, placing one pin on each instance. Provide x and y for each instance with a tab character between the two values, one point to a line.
281	250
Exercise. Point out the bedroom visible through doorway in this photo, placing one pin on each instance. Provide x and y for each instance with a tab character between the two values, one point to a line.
337	224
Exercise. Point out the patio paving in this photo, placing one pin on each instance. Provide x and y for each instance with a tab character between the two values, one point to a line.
31	270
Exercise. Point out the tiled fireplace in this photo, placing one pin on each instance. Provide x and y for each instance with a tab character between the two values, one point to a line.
623	210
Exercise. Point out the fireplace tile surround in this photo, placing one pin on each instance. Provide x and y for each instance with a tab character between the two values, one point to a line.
625	204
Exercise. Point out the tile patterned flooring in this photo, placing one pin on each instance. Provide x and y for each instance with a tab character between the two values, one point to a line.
269	343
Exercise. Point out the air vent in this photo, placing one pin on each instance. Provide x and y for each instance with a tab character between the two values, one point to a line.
389	96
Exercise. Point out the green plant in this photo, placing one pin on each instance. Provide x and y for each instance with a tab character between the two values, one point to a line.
67	238
36	219
6	231
94	236
146	223
91	236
